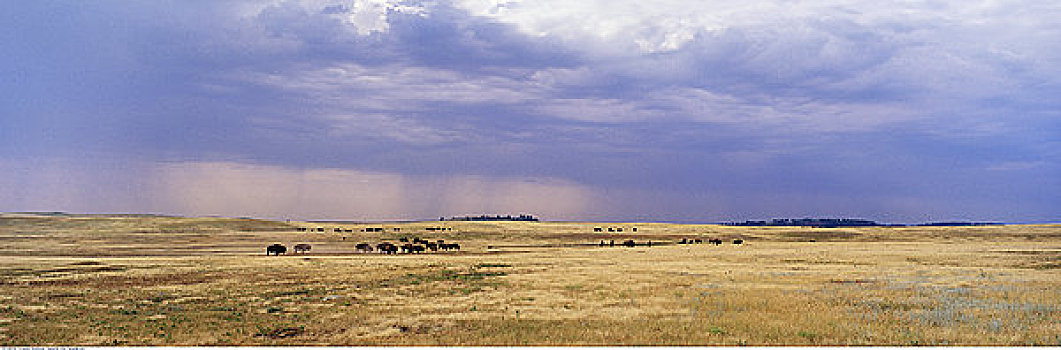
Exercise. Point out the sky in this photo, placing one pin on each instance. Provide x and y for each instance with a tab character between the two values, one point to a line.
619	110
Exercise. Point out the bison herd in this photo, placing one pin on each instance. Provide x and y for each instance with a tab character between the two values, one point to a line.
416	246
714	241
649	243
346	230
626	243
613	229
406	246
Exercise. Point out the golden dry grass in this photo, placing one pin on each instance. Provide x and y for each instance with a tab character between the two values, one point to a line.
142	280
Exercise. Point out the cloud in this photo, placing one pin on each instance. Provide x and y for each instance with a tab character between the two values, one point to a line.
371	16
269	191
720	103
597	110
245	189
355	84
825	64
823	49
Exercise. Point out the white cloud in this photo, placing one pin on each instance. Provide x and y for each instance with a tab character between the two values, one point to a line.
937	45
819	63
370	16
365	17
656	26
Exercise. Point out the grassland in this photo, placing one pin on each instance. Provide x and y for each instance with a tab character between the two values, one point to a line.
148	280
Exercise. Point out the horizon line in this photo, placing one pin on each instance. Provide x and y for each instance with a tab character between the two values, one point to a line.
680	222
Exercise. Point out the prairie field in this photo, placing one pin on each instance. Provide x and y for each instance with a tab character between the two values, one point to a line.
155	280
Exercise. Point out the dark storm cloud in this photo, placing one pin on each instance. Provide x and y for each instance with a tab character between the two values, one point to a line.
675	111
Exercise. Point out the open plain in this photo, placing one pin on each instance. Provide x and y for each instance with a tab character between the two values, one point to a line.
155	280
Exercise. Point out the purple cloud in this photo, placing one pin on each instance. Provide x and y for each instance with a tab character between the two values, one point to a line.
674	111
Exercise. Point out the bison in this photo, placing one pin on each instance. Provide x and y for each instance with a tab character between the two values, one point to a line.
629	243
364	247
276	249
302	248
386	248
738	241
